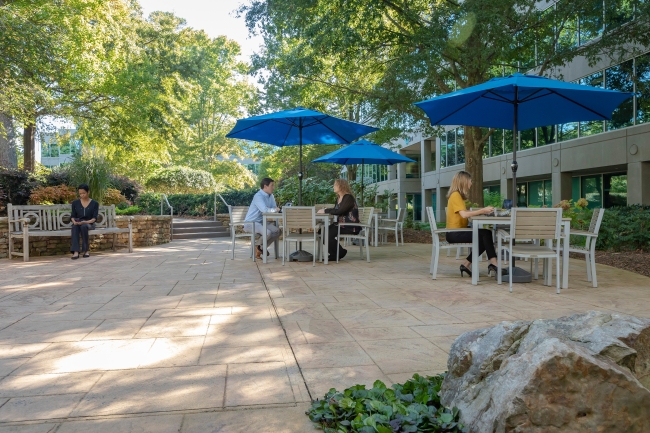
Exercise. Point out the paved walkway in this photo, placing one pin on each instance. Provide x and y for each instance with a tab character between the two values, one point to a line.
181	338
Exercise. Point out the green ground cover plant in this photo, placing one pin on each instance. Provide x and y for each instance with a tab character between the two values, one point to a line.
404	408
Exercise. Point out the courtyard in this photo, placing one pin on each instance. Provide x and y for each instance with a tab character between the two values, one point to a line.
178	337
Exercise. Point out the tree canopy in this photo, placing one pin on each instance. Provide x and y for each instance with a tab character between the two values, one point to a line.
384	55
149	91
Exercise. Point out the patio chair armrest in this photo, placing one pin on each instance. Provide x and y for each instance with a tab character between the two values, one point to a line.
583	233
503	234
452	230
20	220
355	225
241	223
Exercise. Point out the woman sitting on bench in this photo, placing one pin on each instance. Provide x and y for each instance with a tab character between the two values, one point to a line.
83	217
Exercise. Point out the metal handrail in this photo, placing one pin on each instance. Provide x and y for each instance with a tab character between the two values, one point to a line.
164	197
215	204
171	212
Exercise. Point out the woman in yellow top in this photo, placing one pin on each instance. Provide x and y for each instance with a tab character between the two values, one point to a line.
457	215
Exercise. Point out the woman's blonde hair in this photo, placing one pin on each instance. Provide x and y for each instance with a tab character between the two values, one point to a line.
344	186
460	183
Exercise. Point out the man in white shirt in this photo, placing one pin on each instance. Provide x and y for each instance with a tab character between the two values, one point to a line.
263	201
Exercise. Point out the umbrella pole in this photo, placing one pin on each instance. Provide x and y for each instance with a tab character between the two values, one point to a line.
300	172
515	140
362	166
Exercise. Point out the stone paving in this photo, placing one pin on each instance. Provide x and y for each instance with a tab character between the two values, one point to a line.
179	338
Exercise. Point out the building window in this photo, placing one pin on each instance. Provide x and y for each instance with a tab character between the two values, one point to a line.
596	126
545	135
620	77
618	12
413	168
591	22
414	206
615	189
451	148
535	194
460	145
567	131
601	190
527	139
522	195
433	160
642	77
443	151
496	143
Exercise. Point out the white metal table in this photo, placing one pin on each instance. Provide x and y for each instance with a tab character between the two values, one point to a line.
480	221
277	217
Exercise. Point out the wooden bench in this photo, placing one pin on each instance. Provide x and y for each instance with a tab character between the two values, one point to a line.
27	221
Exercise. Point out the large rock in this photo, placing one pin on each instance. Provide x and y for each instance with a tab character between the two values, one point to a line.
584	373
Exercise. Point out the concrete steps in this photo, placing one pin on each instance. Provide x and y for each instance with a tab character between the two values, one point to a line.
197	229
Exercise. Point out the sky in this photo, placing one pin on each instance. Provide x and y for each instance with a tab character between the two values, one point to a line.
216	17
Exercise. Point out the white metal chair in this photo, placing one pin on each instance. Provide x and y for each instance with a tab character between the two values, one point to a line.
459	250
440	245
394	225
297	219
365	216
237	219
589	249
532	224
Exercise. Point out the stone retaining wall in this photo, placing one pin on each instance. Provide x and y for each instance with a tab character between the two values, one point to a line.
148	230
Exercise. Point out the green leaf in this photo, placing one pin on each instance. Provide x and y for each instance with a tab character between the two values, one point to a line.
446	418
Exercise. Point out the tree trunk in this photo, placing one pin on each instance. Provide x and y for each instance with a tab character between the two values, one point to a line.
8	156
474	162
29	145
352	172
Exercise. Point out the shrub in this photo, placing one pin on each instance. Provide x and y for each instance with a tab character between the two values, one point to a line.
412	407
59	176
195	204
181	180
18	184
314	191
60	194
494	199
91	168
623	227
130	210
128	188
113	196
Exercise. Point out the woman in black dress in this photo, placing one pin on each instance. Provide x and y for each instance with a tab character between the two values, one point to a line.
346	210
83	217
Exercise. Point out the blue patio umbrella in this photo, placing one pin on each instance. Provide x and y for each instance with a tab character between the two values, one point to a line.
521	102
297	127
363	152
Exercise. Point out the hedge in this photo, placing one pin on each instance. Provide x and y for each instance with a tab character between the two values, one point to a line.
625	228
195	204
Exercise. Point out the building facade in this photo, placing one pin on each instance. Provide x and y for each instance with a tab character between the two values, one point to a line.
608	163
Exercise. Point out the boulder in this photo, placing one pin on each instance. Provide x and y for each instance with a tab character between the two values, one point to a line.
588	372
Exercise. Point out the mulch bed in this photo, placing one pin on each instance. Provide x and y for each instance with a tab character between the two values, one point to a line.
633	261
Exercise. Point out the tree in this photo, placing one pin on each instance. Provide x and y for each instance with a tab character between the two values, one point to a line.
423	48
57	57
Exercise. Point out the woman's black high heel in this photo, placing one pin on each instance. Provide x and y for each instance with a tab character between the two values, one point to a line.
493	269
464	269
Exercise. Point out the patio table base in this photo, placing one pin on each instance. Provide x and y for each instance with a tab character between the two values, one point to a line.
301	256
